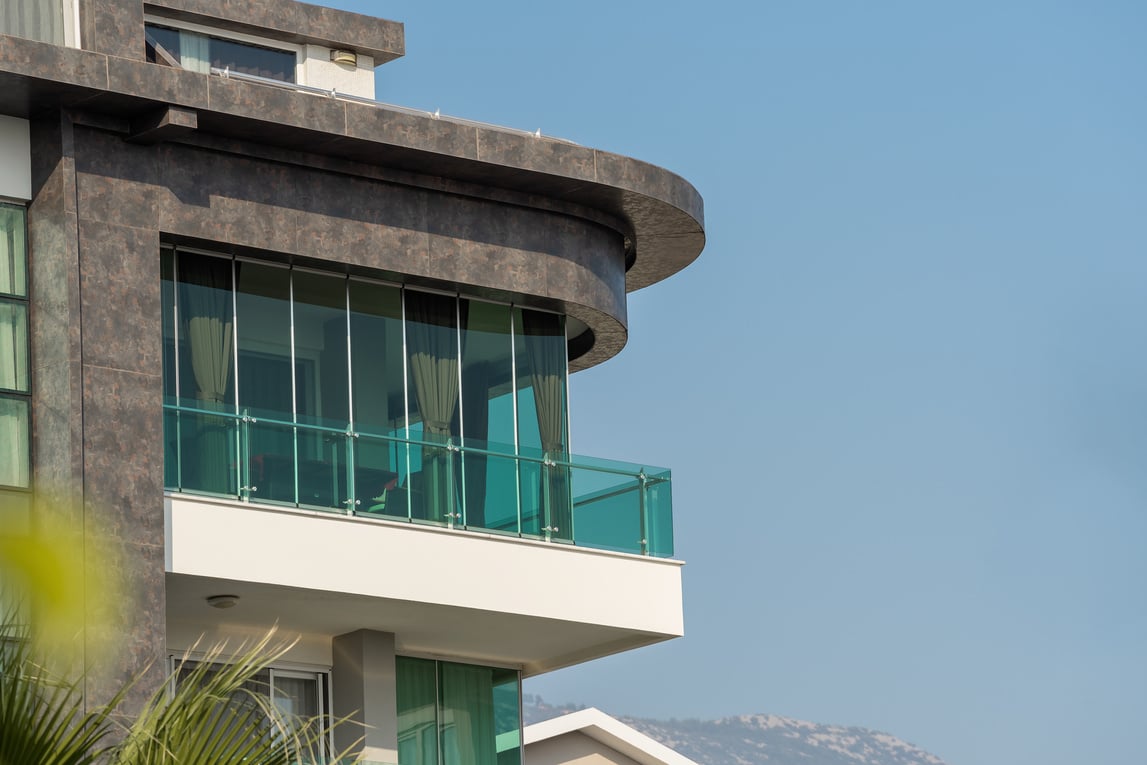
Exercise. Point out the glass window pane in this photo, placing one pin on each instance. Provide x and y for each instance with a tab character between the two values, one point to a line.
13	346
488	415
417	690
543	430
252	59
14	443
321	339
13	275
206	359
508	716
41	20
263	305
164	37
167	298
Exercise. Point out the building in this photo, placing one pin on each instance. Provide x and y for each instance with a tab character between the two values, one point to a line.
303	357
591	737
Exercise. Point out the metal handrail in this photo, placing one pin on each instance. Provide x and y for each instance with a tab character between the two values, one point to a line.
449	445
226	73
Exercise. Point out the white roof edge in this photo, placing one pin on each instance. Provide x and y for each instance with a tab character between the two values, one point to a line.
607	730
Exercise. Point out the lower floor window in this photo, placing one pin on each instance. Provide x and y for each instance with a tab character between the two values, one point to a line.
457	714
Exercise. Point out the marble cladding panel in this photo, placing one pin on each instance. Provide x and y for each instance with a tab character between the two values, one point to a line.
45	61
114	27
527	252
54	334
165	84
363	223
123	454
275	106
411	131
651	181
288	20
227	199
126	634
554	157
119	282
116	181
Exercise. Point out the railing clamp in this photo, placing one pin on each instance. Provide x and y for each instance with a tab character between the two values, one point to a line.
249	488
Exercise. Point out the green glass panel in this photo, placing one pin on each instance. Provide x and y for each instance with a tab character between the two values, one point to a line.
269	460
607	510
13	251
14	443
380	476
171	449
466	719
507	694
208	443
206	333
497	468
324	466
167	301
543	414
659	510
487	409
377	376
13	345
416	686
263	306
321	338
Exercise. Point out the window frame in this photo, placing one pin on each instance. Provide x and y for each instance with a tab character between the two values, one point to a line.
228	35
17	394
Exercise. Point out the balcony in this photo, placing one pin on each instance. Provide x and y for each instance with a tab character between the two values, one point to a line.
455	483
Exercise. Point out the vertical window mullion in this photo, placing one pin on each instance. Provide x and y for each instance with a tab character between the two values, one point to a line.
514	400
351	451
294	387
461	489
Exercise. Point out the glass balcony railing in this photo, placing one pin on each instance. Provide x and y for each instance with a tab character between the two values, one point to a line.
475	485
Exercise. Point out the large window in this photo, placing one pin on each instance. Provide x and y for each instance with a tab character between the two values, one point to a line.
15	400
41	20
199	52
286	385
457	714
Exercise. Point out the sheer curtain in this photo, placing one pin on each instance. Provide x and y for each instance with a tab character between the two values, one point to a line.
205	292
41	20
431	329
546	347
468	736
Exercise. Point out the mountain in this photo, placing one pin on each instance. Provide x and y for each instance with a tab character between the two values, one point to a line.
756	739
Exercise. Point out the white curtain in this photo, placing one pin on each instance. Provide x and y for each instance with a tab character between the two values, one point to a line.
13	442
194	53
35	19
12	276
13	346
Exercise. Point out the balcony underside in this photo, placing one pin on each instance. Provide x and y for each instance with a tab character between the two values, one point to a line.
442	592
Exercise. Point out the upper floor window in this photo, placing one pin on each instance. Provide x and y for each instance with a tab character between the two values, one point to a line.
42	20
200	52
14	377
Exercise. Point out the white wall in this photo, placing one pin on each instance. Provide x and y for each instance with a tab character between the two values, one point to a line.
320	72
574	748
15	159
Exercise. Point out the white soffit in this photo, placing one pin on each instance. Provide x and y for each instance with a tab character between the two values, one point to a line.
527	603
15	159
608	731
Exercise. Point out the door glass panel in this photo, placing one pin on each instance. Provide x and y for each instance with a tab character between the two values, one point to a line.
488	415
417	689
321	340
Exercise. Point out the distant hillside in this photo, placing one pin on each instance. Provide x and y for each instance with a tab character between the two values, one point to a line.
754	739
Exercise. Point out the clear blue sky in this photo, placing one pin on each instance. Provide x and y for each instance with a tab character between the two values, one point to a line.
904	389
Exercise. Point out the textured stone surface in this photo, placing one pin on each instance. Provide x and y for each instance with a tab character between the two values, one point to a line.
114	27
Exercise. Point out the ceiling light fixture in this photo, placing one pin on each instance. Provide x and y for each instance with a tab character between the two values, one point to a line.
222	601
